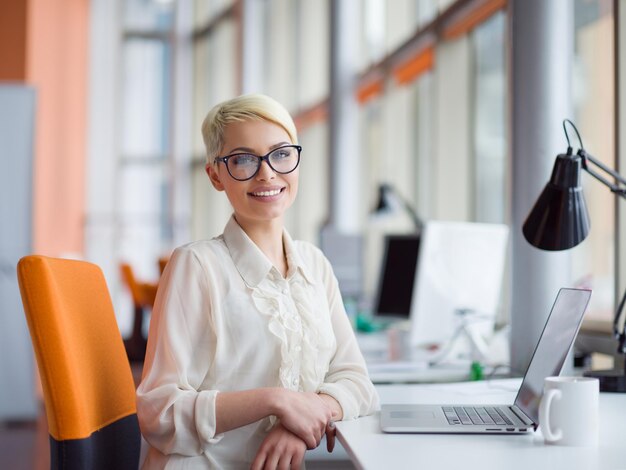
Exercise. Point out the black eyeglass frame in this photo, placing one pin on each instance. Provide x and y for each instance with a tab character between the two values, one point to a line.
260	160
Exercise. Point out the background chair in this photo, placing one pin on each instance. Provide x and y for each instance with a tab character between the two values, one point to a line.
163	260
143	295
88	388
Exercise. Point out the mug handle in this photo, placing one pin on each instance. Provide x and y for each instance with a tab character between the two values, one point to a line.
544	415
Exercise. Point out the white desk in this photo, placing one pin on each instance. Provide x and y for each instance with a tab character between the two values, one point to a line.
369	448
412	373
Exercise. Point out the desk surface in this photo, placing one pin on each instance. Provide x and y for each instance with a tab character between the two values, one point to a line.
369	448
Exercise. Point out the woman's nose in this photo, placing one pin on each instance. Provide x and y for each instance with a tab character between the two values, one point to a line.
265	172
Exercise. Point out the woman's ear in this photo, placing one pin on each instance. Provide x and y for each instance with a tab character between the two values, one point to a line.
213	176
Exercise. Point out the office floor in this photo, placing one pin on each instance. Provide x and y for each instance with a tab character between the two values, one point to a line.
24	445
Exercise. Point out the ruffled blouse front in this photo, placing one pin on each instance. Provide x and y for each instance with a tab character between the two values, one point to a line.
304	338
226	319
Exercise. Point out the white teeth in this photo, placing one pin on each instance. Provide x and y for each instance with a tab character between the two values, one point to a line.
274	192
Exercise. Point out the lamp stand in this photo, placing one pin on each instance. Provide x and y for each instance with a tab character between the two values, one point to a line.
478	346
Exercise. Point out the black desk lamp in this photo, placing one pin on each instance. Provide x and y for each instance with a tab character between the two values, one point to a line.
559	220
388	197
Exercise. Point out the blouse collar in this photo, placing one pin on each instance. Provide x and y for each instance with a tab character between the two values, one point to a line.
251	262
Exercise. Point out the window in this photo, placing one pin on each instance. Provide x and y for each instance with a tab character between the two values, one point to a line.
215	79
436	131
594	116
489	121
313	58
143	192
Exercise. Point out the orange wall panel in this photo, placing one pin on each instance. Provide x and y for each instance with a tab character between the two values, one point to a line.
57	65
13	40
475	17
415	66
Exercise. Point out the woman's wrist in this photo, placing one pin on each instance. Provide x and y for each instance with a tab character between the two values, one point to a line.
334	405
276	400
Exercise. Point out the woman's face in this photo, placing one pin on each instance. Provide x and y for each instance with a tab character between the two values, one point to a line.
267	195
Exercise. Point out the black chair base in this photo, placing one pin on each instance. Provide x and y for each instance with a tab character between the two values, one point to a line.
116	446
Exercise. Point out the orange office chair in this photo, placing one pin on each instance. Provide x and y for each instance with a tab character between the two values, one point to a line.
88	387
143	295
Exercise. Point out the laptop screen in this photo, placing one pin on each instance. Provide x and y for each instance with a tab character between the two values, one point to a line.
555	342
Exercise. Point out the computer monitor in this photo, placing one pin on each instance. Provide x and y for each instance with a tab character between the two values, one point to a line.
397	277
461	267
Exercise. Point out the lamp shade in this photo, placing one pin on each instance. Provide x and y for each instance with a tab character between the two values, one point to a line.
390	201
559	219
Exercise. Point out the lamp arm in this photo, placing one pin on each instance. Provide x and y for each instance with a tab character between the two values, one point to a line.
409	209
416	220
617	188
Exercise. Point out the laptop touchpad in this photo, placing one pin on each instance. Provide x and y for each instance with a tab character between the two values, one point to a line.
421	415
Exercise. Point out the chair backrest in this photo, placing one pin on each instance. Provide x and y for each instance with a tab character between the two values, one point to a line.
128	276
87	382
143	293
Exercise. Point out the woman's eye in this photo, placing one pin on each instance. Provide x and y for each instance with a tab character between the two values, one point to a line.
242	160
281	153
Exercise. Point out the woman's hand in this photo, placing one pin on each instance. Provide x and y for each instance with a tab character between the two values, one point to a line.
331	431
330	427
305	414
281	449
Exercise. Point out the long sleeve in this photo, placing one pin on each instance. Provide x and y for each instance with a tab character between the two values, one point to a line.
175	417
347	380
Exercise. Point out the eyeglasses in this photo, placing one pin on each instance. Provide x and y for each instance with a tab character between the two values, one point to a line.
244	166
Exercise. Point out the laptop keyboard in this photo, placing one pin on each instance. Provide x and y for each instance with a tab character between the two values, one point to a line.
475	415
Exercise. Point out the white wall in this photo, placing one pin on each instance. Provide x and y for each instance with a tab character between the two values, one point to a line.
17	371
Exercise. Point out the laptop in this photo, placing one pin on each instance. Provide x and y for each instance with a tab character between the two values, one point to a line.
554	344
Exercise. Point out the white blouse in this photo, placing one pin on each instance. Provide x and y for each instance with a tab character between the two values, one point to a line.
226	319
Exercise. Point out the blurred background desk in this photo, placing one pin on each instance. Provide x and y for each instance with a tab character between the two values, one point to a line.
369	448
390	361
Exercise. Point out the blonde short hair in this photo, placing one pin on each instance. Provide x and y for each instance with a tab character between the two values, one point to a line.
243	108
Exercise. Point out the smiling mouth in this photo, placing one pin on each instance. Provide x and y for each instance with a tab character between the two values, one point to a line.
270	193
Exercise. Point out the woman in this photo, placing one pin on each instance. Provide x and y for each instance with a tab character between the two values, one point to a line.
251	357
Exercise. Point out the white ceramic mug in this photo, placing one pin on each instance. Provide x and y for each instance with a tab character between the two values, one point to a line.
568	413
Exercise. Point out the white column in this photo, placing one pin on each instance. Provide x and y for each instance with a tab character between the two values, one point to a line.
343	118
541	66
